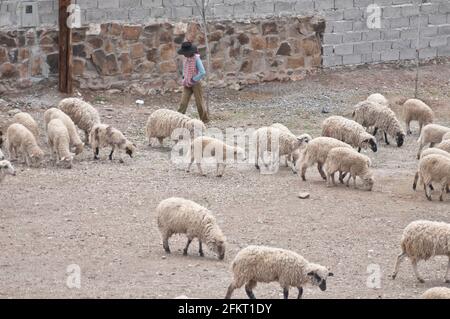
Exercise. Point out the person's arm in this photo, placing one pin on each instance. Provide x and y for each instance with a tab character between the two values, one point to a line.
201	70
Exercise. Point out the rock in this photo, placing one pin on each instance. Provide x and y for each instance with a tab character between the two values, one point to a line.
167	52
269	28
112	91
168	67
182	297
130	32
8	70
258	43
137	51
303	195
243	39
284	49
139	102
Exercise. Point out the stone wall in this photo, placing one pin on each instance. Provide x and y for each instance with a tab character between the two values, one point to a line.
119	55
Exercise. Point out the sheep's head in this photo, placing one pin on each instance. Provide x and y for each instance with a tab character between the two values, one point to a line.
130	148
79	148
66	161
7	168
318	275
400	138
36	157
370	142
368	182
304	139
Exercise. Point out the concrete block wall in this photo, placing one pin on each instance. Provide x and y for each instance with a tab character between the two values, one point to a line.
347	39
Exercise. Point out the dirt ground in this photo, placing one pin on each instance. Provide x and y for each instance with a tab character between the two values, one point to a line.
100	215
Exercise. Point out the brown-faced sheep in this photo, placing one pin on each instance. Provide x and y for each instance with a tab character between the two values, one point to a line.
103	135
429	151
416	110
434	168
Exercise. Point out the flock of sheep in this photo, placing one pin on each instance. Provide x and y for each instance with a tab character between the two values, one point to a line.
333	152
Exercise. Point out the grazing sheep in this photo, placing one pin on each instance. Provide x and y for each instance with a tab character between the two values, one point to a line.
431	134
84	115
21	140
6	169
437	293
444	145
434	168
162	123
204	146
291	159
370	114
347	160
103	135
316	152
287	143
255	264
421	240
75	140
429	151
445	137
182	216
378	98
27	120
59	141
348	131
416	110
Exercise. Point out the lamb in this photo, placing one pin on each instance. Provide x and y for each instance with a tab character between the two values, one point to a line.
21	140
378	98
421	240
204	146
382	118
163	122
444	145
316	152
416	110
431	134
255	264
437	293
84	115
427	152
292	159
181	216
103	135
6	169
347	160
59	141
348	131
287	144
75	140
27	120
434	168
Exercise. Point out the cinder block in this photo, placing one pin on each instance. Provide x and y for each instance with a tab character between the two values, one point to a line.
444	7
413	21
108	4
332	38
380	46
351	37
408	34
182	12
304	6
391	12
436	19
45	7
352	59
221	10
87	4
95	15
343	4
330	61
439	41
343	49
429	31
335	15
362	3
5	19
429	8
323	4
284	6
427	53
444	29
342	26
138	14
402	22
353	14
401	44
408	54
129	3
410	10
117	14
152	3
243	9
401	1
363	47
371	35
263	7
328	50
48	18
158	12
172	3
390	35
360	26
444	51
390	55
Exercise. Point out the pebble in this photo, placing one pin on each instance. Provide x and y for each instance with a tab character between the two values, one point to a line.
303	195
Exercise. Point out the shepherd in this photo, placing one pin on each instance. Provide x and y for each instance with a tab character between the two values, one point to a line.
193	72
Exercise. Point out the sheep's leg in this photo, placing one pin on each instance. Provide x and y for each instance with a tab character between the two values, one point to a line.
416	272
185	250
220	174
421	145
447	273
199	166
112	151
286	293
86	137
200	248
322	173
443	187
300	292
448	189
375	131
332	179
354	181
230	290
408	127
416	177
249	289
342	176
329	179
386	139
96	151
427	192
303	172
432	144
359	149
348	180
400	258
420	127
160	140
166	243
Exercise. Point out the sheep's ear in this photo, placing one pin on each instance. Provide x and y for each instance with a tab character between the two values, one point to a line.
330	274
311	273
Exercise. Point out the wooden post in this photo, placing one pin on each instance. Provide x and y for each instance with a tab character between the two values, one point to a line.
65	49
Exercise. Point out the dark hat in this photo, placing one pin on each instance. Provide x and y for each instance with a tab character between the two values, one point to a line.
187	47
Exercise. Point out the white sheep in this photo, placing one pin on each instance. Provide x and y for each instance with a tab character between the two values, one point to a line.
22	141
429	151
285	143
203	146
59	142
316	152
434	168
347	160
255	264
444	145
75	140
431	134
416	110
382	118
446	136
291	159
84	115
348	131
181	216
27	120
437	293
162	123
378	98
6	169
103	135
421	240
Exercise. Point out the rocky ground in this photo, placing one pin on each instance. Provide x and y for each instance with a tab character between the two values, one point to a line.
100	215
